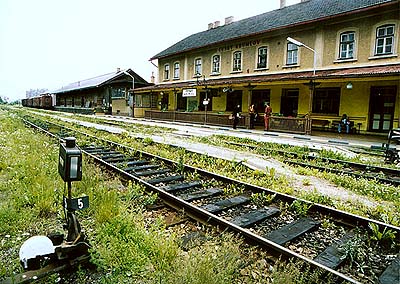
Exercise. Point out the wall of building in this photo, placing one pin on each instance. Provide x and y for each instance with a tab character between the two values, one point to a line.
324	37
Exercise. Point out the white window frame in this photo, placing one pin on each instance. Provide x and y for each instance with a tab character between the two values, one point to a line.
292	55
347	47
177	68
386	39
237	61
259	56
198	68
166	72
216	65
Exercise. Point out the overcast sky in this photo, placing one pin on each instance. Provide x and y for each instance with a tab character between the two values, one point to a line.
51	43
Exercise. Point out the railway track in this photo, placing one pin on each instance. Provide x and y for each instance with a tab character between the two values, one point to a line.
390	176
287	227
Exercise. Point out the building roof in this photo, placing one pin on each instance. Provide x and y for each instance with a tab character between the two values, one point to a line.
98	81
304	12
358	72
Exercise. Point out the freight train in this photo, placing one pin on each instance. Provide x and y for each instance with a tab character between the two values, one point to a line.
46	101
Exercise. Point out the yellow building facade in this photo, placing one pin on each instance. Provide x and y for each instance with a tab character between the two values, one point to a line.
316	68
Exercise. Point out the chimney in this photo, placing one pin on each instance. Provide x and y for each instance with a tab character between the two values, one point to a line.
228	20
152	78
210	26
118	69
283	4
216	24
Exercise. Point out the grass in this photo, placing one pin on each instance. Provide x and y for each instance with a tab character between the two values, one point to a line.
387	196
126	246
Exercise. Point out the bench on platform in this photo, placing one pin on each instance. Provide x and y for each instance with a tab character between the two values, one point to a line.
335	127
320	123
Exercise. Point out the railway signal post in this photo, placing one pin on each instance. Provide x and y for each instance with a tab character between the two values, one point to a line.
43	255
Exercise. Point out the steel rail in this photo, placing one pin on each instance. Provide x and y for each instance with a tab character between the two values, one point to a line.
210	218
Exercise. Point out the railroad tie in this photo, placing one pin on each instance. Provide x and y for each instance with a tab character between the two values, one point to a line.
253	217
333	256
119	160
201	194
392	273
151	172
292	231
181	186
141	168
165	179
226	204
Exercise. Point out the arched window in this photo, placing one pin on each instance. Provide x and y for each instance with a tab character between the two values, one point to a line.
347	45
237	61
384	40
216	64
262	57
292	52
166	72
176	70
197	67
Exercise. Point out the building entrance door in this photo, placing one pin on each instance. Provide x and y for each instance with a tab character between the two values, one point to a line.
259	98
289	102
381	108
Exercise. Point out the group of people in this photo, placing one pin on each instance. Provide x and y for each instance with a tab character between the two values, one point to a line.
253	116
344	122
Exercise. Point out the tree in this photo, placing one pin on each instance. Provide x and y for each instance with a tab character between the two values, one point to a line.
35	92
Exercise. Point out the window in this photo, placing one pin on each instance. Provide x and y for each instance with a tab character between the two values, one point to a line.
292	50
146	100
237	61
166	71
346	49
262	57
197	67
118	93
384	40
176	70
326	101
216	64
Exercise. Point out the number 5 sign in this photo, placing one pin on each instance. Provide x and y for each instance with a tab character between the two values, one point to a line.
76	203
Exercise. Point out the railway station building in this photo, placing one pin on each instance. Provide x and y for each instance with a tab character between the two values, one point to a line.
108	94
313	62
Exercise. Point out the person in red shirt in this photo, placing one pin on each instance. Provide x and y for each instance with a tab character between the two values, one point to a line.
267	114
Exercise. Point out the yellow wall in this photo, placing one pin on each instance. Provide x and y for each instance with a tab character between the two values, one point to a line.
120	105
324	38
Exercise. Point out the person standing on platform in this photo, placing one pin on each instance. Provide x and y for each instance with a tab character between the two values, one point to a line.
252	114
267	114
236	116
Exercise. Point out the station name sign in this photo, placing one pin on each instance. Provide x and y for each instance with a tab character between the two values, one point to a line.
189	93
239	45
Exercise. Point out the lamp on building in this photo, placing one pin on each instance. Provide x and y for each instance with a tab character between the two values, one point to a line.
298	43
349	86
311	84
